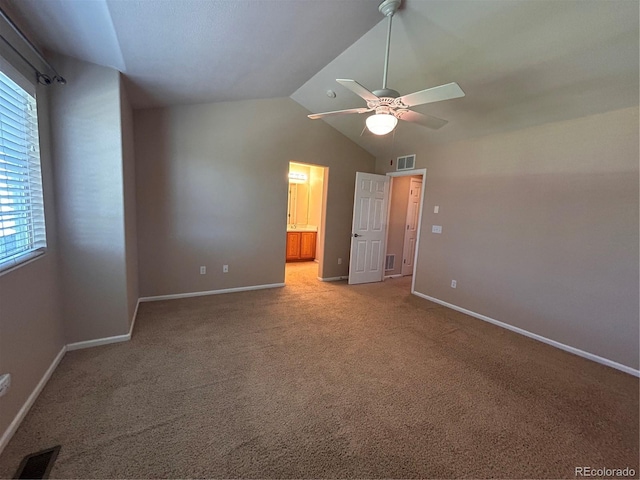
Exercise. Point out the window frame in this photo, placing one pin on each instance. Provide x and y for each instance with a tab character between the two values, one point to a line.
20	259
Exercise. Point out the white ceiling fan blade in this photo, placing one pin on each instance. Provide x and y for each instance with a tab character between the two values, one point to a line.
315	116
356	88
435	94
425	120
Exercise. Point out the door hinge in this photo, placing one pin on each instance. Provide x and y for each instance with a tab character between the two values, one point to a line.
407	227
404	261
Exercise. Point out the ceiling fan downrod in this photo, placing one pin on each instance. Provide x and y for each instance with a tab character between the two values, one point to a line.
386	104
388	8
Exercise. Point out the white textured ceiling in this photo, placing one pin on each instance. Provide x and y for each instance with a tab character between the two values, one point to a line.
520	62
192	51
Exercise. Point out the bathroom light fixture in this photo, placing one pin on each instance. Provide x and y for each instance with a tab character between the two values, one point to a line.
297	177
381	123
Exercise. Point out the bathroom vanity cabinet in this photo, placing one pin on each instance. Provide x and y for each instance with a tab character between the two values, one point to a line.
301	246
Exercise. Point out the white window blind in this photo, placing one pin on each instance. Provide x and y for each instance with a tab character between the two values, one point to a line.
22	228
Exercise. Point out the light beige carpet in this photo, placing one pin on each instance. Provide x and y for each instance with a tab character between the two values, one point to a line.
327	380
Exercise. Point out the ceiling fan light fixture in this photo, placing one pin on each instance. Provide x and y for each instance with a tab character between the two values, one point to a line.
381	123
388	104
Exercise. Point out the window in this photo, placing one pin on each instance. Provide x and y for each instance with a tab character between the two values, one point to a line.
22	229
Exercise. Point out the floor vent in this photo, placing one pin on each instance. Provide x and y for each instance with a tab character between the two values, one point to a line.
390	262
39	464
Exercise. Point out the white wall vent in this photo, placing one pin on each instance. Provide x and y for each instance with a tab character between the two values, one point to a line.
408	162
390	262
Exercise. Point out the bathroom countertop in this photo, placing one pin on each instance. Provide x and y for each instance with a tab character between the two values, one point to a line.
302	228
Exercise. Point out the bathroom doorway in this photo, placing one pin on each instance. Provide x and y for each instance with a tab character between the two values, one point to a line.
405	214
306	206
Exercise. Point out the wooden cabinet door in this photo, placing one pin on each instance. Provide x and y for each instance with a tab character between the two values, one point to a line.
293	245
308	245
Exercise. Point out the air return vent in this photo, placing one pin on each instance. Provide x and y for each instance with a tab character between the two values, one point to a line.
39	464
408	162
390	262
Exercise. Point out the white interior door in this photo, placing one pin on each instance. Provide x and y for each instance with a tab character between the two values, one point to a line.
368	232
411	229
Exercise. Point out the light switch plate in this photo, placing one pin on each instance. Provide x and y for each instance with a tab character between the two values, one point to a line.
436	228
436	209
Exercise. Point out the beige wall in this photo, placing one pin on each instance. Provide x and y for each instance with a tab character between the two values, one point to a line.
88	162
212	190
397	221
540	229
129	190
31	326
316	185
85	286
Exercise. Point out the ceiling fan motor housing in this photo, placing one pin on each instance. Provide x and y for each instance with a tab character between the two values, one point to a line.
386	98
386	92
389	7
387	104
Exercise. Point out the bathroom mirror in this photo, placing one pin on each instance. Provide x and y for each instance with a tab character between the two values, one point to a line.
298	206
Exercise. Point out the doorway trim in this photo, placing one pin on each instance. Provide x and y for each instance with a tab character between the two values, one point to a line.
409	173
320	234
414	182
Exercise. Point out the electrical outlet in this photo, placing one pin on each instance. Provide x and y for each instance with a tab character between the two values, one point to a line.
5	383
454	284
225	268
203	270
339	261
436	228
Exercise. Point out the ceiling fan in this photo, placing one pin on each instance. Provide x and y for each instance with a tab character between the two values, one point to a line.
388	105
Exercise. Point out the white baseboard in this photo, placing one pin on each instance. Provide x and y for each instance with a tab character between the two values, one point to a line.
13	426
332	279
126	337
107	340
398	275
98	341
535	336
133	320
210	292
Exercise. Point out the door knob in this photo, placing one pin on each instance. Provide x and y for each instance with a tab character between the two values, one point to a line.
356	235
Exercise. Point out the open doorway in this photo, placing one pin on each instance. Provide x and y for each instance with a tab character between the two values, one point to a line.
370	259
306	206
404	219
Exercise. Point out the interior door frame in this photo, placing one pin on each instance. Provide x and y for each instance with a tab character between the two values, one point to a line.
412	181
408	173
320	235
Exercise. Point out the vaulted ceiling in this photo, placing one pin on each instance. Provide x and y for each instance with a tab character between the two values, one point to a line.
520	62
194	51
